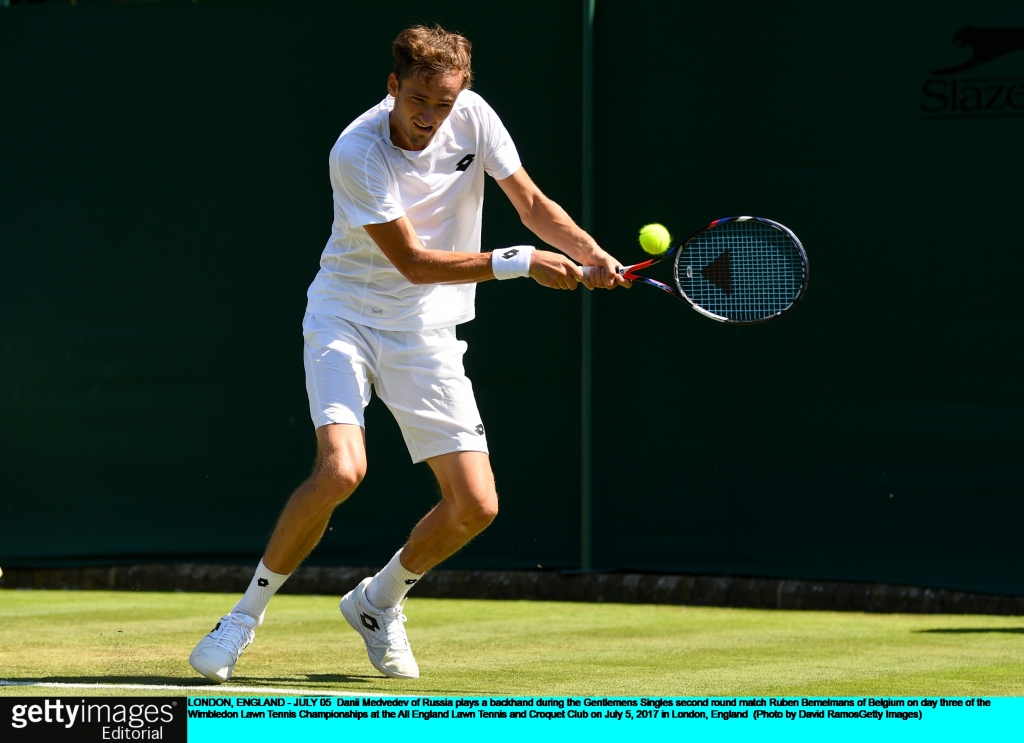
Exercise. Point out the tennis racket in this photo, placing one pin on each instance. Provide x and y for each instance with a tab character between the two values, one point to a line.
737	270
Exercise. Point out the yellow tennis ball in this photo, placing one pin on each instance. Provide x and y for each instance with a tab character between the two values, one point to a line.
654	239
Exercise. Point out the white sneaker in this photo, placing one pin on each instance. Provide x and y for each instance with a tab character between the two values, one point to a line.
382	631
216	654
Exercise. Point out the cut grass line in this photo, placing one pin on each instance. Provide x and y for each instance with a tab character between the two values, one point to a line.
205	689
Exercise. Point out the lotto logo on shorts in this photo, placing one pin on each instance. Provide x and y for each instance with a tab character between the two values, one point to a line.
480	429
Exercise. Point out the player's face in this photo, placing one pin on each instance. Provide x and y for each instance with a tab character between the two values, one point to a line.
421	106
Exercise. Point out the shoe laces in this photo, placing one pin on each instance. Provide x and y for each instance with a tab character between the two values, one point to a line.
233	635
394	621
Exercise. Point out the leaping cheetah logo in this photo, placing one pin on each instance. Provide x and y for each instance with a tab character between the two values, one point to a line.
986	44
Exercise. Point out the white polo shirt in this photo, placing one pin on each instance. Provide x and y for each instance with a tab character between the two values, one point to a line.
441	191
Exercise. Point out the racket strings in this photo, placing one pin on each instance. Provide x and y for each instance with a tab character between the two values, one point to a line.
741	271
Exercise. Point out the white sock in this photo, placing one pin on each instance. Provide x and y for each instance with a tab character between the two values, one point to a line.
390	585
263	587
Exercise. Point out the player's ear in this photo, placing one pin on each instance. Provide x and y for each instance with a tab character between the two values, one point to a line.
393	85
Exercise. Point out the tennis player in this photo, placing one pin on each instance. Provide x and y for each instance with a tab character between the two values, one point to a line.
398	274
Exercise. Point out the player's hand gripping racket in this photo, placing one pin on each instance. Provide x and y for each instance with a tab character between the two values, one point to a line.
735	270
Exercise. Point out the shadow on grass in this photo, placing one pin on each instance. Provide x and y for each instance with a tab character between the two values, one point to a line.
160	680
971	630
333	678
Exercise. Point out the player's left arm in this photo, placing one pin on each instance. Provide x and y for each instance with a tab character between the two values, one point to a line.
550	222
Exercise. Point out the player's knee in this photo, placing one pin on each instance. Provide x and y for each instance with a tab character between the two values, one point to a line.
479	514
338	480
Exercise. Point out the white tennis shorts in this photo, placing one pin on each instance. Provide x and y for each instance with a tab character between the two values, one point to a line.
417	373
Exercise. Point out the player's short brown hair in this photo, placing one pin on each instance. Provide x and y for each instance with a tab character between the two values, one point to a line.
428	51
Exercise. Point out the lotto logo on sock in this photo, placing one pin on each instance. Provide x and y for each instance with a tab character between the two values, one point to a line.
262	582
411	581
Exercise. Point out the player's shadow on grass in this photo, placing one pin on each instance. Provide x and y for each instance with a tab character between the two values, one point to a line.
297	679
971	630
157	680
335	678
196	681
312	678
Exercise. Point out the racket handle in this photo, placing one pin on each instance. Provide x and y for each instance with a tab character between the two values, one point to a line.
620	270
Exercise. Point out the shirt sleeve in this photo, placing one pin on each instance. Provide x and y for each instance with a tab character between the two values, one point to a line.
362	187
502	159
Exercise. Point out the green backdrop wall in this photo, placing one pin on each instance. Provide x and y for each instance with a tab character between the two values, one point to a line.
165	202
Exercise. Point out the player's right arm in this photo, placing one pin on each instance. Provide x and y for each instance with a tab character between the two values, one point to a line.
398	241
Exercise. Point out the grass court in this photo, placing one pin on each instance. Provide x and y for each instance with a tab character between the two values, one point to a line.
523	648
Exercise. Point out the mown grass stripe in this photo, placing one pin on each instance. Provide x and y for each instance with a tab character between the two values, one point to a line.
204	689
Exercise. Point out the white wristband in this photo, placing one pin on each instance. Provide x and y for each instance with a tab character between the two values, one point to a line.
511	263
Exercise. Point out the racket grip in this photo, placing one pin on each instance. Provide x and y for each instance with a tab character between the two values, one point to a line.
620	270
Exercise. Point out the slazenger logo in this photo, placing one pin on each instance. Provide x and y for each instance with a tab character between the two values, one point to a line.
131	716
946	95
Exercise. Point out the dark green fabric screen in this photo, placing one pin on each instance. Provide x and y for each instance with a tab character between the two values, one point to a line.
165	202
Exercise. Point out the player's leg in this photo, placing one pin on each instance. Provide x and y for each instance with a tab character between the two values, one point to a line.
374	608
468	505
422	380
338	356
340	467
